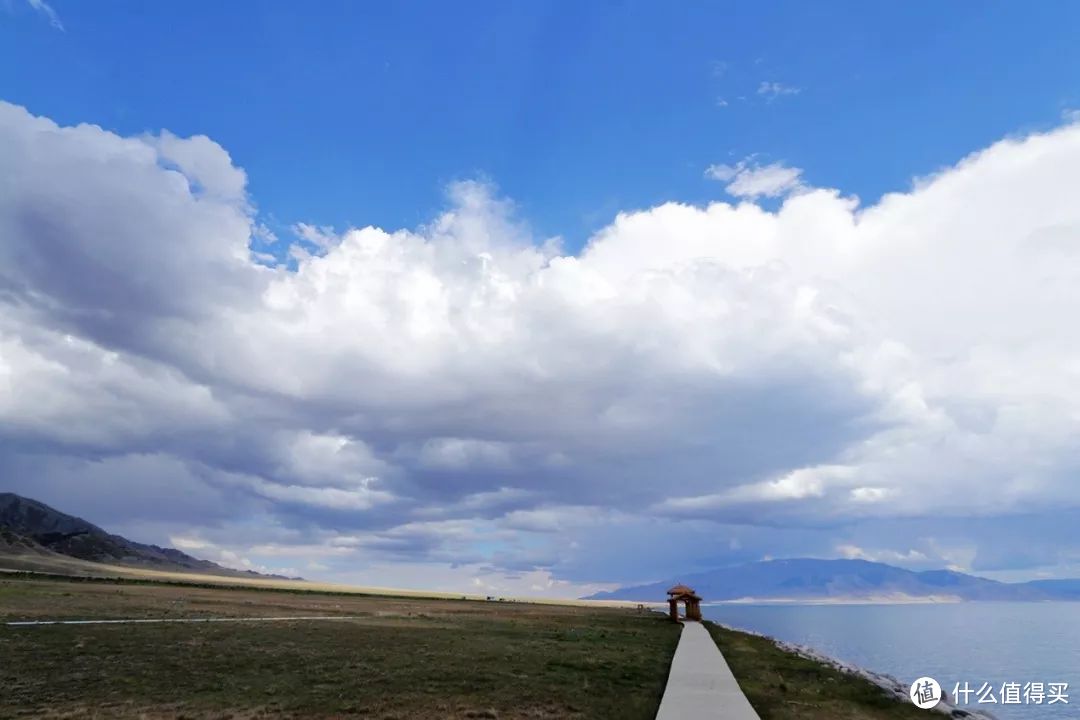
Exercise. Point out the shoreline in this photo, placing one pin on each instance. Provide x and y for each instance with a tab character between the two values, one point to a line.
847	600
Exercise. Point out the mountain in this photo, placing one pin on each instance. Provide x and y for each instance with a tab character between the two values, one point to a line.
1061	589
29	528
809	580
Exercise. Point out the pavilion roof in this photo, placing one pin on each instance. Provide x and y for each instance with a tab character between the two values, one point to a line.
680	590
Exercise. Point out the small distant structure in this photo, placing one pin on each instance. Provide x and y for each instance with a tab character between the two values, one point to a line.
690	600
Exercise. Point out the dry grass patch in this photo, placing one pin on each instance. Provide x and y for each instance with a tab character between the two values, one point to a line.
405	658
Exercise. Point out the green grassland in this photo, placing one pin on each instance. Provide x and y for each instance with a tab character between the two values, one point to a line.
783	685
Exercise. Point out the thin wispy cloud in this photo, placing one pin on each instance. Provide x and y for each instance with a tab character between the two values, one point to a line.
772	90
746	179
47	11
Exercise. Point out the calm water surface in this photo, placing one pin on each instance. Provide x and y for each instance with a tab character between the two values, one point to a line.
974	642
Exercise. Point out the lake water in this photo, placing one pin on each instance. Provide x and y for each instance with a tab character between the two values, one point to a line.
988	642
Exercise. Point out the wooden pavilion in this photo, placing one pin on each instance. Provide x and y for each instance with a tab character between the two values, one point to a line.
690	600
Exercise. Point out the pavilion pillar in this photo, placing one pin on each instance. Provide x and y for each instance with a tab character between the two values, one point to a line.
673	606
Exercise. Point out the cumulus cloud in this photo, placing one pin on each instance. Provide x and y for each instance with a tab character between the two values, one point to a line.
467	395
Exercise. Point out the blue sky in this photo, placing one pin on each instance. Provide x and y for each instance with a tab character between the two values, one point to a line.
349	113
815	292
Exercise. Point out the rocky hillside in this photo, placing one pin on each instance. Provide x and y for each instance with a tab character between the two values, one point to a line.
31	527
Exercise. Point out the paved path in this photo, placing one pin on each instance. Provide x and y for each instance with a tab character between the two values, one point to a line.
700	684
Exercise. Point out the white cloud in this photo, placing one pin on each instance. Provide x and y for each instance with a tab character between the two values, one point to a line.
204	164
750	180
773	90
870	494
893	557
45	9
328	460
464	391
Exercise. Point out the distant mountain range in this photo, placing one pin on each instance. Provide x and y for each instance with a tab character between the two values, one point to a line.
32	530
809	580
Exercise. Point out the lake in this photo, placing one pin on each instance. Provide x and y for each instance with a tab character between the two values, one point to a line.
975	642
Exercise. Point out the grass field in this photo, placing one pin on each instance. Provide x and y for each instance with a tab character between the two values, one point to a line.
784	686
395	657
403	658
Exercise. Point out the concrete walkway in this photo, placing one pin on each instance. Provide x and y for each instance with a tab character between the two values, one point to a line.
700	684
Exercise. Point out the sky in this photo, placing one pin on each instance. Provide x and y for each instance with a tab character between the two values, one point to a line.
545	298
